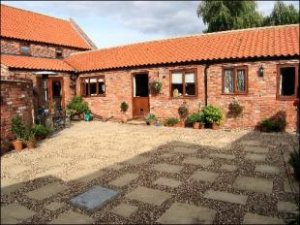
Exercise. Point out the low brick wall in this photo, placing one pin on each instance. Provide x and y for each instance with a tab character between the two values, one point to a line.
16	98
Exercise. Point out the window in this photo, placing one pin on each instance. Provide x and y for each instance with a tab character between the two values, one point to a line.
235	80
58	53
183	83
287	82
93	86
25	49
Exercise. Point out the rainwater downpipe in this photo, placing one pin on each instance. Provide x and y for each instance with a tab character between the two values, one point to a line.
205	83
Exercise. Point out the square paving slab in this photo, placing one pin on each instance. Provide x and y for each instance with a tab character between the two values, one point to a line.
254	184
206	176
267	169
256	149
94	198
292	186
289	207
55	206
14	213
71	217
124	180
125	210
251	218
180	213
168	168
185	150
46	191
251	142
164	181
136	160
255	157
148	195
228	167
226	197
222	156
204	162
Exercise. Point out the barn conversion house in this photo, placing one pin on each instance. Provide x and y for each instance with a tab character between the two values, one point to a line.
56	59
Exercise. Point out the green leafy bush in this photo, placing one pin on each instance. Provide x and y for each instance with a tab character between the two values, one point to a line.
294	161
212	114
17	127
183	111
195	117
273	125
171	121
150	118
155	87
29	134
78	105
235	108
40	130
124	107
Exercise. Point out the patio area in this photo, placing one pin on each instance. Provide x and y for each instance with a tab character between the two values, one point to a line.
150	175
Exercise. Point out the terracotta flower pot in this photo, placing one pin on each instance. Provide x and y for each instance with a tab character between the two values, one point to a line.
81	116
215	126
18	145
196	125
31	144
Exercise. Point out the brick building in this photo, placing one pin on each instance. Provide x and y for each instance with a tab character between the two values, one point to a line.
258	66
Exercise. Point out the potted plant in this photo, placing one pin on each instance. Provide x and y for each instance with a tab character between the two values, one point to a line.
77	107
124	107
183	113
29	138
155	87
196	119
18	128
40	131
212	116
170	122
235	108
150	119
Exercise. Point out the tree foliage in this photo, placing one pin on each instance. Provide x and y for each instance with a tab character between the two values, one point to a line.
230	15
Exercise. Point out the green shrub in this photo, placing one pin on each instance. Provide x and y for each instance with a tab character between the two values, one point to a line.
155	87
29	134
183	111
273	125
150	118
235	108
17	127
78	105
124	107
294	161
212	114
171	121
40	130
195	117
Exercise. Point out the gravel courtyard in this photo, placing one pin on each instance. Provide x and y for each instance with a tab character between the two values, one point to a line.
162	175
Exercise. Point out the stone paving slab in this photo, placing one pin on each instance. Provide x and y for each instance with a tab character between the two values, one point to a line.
46	191
289	207
267	169
255	157
251	142
204	162
251	218
226	197
114	167
9	188
124	180
55	206
167	155
254	184
71	217
125	210
136	160
148	195
185	150
292	187
180	213
15	213
206	176
256	149
168	168
94	198
228	167
164	181
222	156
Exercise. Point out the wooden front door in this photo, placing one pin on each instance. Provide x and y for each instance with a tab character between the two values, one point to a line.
56	96
140	101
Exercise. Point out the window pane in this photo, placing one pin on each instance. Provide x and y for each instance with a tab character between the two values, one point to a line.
241	80
93	86
190	87
189	78
228	81
86	87
101	86
177	84
287	81
25	49
177	78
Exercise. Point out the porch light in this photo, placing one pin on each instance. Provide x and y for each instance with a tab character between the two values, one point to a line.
261	71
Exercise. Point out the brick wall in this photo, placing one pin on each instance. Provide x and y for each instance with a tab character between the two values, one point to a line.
16	98
259	103
11	46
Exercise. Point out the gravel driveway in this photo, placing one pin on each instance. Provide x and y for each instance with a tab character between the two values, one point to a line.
161	175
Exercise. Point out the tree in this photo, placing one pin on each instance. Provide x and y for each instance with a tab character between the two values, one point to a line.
282	14
229	15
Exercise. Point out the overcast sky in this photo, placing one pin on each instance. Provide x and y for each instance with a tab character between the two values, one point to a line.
121	22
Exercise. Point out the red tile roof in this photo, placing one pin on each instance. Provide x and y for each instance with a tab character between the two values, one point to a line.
30	26
34	63
248	43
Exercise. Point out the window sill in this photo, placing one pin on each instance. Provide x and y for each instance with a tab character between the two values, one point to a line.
184	97
93	96
286	98
230	94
